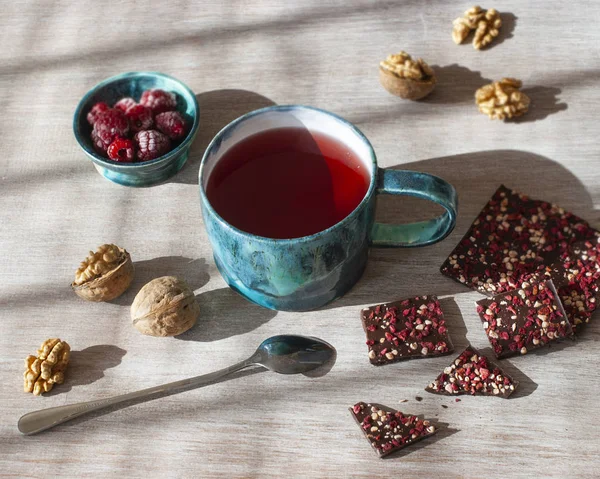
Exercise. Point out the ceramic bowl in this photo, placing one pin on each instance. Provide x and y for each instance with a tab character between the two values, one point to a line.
132	84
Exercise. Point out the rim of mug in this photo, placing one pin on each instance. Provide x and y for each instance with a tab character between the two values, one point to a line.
260	111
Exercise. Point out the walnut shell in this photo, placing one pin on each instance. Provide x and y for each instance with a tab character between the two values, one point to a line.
405	87
107	285
408	78
165	306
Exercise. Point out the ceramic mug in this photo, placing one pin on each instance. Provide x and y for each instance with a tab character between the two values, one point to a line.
305	273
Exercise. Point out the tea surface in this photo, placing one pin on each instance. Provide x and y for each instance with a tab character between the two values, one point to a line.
287	183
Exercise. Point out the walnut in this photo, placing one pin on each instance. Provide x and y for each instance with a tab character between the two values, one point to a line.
462	26
485	23
502	99
407	78
48	368
104	275
165	306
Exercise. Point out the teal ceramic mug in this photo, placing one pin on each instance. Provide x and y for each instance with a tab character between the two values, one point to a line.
306	273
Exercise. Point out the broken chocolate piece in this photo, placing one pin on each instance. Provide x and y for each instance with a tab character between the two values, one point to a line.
513	237
387	430
411	328
473	373
524	319
576	275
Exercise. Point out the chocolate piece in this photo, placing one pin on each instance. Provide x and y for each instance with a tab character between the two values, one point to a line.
411	328
513	237
577	277
524	319
473	373
387	430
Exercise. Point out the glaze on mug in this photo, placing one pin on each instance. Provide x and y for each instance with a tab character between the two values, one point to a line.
308	272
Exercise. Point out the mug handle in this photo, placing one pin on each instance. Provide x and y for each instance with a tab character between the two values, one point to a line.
421	185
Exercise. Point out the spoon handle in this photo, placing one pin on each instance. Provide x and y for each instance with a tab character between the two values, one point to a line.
37	421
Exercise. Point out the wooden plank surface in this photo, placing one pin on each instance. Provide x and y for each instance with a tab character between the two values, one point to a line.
238	56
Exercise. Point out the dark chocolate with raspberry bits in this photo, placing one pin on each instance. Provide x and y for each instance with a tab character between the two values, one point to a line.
387	430
513	237
406	329
524	319
577	277
473	373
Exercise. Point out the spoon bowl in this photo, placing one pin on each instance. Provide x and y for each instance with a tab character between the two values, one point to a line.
290	354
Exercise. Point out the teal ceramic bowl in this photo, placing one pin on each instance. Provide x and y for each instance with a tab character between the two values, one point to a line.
132	84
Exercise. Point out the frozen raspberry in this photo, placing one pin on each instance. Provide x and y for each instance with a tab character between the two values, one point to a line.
151	144
95	111
140	118
109	124
121	150
125	103
158	101
171	123
99	145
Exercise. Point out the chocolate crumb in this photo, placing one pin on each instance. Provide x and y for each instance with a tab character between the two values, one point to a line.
444	406
418	398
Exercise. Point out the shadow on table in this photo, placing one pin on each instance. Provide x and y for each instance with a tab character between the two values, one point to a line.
455	84
217	109
526	385
224	313
88	366
456	324
544	102
394	273
443	431
193	271
133	402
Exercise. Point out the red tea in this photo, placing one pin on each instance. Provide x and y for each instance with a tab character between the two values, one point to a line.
287	183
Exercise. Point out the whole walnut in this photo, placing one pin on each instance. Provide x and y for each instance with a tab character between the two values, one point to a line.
104	274
165	306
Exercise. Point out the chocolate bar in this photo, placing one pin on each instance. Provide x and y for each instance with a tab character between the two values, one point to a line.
512	238
388	431
473	373
406	329
524	319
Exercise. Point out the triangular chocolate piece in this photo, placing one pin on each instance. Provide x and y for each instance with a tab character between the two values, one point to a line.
473	373
387	430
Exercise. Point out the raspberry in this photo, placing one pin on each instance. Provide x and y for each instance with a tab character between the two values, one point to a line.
172	124
99	145
121	150
158	101
109	124
151	144
140	118
124	103
95	111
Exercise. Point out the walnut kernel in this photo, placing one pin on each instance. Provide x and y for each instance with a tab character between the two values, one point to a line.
462	26
502	99
407	78
165	306
486	24
104	274
48	368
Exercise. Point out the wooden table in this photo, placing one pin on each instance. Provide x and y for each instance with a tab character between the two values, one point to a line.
238	56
